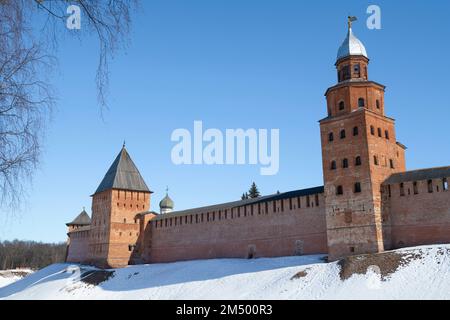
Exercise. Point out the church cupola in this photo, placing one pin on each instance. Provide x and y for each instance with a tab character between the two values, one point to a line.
166	205
352	59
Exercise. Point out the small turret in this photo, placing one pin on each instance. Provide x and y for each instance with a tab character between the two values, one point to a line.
81	220
166	205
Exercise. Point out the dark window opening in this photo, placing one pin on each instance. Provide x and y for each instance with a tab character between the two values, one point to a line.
341	105
361	102
346	72
358	161
290	203
308	201
357	187
372	130
375	160
357	70
345	163
333	165
378	104
415	189
391	162
316	198
355	131
402	189
430	186
352	249
339	190
330	136
379	132
386	134
389	191
342	134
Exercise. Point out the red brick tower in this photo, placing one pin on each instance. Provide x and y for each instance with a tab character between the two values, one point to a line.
359	151
121	195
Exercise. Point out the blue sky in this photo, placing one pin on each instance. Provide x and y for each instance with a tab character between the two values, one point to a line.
232	64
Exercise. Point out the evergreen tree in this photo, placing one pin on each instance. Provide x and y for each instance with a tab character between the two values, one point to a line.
253	192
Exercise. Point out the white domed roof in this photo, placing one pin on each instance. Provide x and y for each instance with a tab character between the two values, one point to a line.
351	47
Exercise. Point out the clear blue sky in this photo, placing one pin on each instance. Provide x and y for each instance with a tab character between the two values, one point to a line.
231	64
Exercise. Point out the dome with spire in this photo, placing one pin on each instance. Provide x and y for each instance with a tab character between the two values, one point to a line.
351	46
166	203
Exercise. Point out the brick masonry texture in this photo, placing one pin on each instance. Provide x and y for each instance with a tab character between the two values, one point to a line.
359	211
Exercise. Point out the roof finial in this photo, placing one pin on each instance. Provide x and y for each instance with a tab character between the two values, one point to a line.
167	190
123	144
350	20
84	209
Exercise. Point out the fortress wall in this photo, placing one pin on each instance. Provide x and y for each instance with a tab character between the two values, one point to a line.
422	218
270	229
78	248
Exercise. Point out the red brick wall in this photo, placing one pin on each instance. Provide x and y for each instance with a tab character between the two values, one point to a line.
78	248
419	219
266	234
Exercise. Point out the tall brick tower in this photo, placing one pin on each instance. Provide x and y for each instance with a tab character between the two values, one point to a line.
121	195
359	151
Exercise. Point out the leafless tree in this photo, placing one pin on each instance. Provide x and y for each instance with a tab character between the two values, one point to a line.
29	34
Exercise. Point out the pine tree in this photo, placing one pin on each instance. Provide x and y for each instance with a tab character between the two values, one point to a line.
244	196
253	192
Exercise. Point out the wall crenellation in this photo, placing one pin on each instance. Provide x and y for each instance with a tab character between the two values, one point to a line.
368	203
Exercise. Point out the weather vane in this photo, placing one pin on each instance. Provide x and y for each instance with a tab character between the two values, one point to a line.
350	20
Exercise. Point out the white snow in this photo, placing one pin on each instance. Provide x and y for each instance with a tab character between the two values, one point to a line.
426	277
9	276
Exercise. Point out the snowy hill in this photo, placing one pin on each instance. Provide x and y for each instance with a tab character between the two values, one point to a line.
9	276
411	273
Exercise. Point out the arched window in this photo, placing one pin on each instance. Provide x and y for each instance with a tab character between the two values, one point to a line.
342	134
361	103
372	130
355	131
358	161
330	136
357	187
339	190
345	163
379	132
341	105
377	103
333	165
386	134
375	160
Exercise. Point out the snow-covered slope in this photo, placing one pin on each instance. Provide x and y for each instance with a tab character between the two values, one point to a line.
9	276
411	273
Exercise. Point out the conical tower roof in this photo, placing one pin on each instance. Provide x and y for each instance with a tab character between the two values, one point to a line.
82	219
123	174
